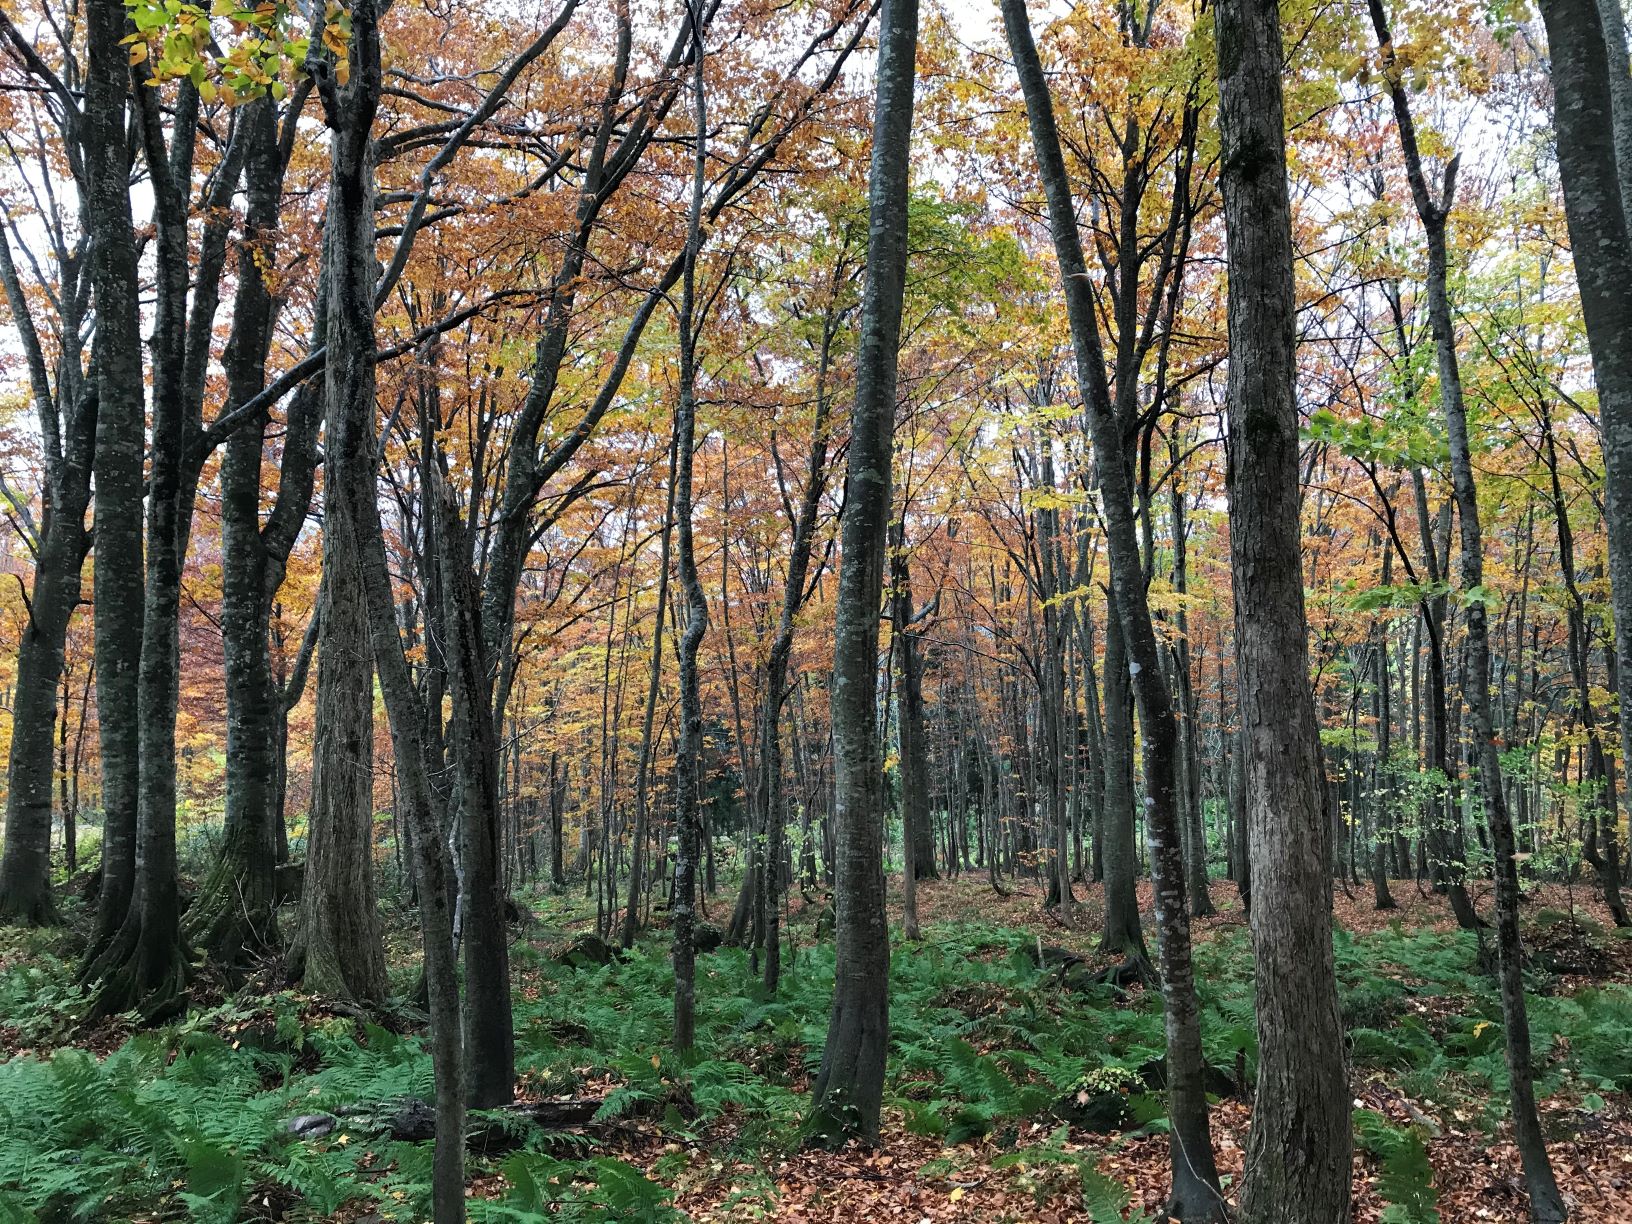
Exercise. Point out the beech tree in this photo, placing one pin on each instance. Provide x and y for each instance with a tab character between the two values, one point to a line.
1298	1166
63	394
848	1092
1195	1188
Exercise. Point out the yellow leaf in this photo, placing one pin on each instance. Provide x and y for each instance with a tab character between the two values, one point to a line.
955	1195
138	52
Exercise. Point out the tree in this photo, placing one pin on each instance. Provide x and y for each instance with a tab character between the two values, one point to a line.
357	555
234	917
120	427
1195	1195
1546	1206
689	746
64	402
1593	116
848	1091
1298	1155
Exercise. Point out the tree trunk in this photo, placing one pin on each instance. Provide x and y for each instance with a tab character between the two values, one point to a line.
357	554
689	754
1593	118
1122	932
654	678
66	419
233	919
1195	1194
776	668
1382	776
120	459
1298	1153
1546	1205
847	1095
489	1035
909	706
1195	865
25	869
338	948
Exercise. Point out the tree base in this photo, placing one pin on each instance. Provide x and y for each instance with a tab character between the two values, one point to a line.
227	924
32	908
133	976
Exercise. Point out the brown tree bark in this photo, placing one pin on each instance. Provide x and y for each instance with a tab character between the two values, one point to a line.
1297	1169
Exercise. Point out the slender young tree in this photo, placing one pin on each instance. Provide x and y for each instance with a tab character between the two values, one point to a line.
1546	1205
654	680
909	707
689	749
1298	1154
848	1093
795	590
1196	1197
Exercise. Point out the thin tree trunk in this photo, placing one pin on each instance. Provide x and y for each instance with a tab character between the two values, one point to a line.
1546	1205
847	1095
1195	1195
688	756
654	678
909	704
1382	787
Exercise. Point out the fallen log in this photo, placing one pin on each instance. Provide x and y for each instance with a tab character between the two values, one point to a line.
413	1120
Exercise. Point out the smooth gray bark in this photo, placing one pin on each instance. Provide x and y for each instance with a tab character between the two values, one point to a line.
1592	113
1546	1204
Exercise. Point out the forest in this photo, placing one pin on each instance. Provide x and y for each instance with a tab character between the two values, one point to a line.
815	610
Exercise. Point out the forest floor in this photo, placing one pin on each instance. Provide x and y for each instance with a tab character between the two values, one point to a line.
1015	1093
1475	1167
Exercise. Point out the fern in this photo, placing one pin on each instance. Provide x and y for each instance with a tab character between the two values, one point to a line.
604	1189
1405	1179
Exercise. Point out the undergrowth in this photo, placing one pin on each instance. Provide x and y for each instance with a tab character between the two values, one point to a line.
192	1121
